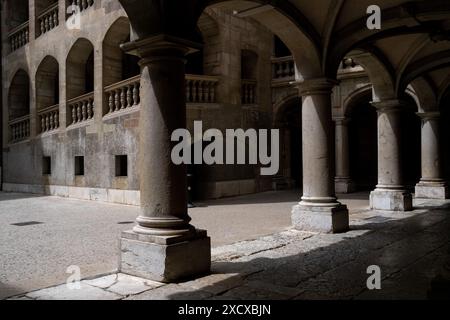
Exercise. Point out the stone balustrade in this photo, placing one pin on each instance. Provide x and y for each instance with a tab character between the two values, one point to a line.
122	95
283	68
201	89
81	109
248	93
19	36
19	129
81	4
48	119
48	19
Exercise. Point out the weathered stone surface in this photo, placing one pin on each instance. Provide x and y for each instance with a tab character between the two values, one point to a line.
172	292
320	219
165	263
62	292
391	200
123	284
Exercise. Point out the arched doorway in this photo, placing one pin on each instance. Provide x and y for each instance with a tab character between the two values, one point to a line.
19	107
289	121
362	134
47	95
411	144
445	134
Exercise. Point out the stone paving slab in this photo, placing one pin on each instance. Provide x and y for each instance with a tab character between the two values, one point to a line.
411	250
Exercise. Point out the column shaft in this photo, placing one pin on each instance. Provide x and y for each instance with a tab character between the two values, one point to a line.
431	185
319	209
343	183
390	193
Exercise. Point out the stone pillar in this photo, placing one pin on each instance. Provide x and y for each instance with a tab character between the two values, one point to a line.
390	193
319	209
163	246
432	185
343	183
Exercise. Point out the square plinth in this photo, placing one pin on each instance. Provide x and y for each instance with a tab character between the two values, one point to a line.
388	200
165	259
320	219
432	192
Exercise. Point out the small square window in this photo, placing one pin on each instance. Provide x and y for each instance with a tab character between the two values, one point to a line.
79	166
46	165
121	166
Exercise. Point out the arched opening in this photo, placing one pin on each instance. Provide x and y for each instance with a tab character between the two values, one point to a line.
280	49
19	96
80	82
289	121
19	107
80	69
47	95
411	144
119	66
445	134
18	13
363	150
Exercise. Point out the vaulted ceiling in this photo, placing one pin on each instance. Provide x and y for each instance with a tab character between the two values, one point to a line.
412	48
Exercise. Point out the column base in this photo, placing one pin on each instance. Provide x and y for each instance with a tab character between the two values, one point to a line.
344	185
426	190
165	258
321	219
391	200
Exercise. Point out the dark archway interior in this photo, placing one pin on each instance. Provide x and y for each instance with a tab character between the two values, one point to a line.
445	135
18	13
47	83
411	144
291	148
19	96
280	49
80	69
363	149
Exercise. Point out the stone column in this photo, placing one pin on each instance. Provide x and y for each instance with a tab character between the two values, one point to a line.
343	183
432	185
319	209
390	193
163	246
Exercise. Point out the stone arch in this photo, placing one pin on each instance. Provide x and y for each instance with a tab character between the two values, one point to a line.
47	83
380	75
19	95
358	94
80	69
295	32
118	65
423	94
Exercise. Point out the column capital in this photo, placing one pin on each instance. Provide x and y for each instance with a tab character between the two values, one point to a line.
316	86
159	47
391	105
426	116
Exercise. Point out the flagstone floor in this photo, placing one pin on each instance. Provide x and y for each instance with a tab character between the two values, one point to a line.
256	255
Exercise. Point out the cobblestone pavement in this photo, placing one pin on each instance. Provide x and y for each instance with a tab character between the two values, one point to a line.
412	250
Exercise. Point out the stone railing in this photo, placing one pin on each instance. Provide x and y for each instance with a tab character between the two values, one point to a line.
201	89
19	129
48	119
81	108
283	68
19	36
48	19
81	4
122	95
248	93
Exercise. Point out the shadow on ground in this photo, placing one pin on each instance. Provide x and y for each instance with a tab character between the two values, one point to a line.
413	254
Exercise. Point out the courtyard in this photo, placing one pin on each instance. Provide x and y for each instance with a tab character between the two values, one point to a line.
256	254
